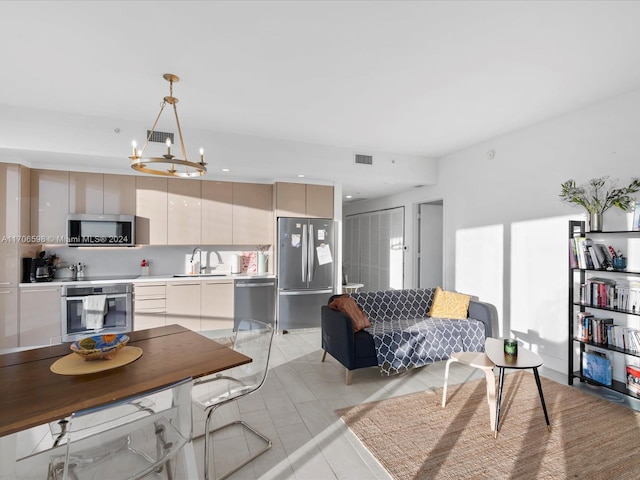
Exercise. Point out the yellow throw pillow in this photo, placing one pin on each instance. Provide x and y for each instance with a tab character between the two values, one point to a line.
450	305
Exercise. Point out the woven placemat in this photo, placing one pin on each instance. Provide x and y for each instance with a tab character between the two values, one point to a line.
74	364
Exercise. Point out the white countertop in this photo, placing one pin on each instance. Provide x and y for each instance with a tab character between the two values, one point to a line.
146	278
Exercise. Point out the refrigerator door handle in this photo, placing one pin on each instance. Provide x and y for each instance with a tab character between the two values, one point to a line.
286	293
304	253
310	254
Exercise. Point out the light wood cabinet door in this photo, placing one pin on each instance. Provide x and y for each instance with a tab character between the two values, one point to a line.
8	317
184	212
49	205
319	201
217	213
39	315
216	312
252	214
119	194
10	266
10	199
85	193
183	304
149	305
291	199
151	211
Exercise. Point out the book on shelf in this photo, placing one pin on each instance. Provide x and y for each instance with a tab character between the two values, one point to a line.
607	258
628	296
633	379
582	325
573	254
594	257
601	292
596	365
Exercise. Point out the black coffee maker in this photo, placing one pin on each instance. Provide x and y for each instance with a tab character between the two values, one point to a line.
39	269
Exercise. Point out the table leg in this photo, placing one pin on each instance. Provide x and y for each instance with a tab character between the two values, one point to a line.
491	396
544	406
500	384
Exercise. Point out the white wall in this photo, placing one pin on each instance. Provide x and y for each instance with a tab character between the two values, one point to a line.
505	229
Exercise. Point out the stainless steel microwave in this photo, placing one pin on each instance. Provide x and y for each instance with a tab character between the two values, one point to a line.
86	230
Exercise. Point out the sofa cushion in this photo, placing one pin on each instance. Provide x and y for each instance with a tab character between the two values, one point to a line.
347	305
449	305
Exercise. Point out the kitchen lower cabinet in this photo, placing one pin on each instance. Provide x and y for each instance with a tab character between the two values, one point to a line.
183	304
39	315
149	305
216	312
8	317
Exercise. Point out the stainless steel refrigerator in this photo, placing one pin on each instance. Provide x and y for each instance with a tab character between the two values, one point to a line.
306	255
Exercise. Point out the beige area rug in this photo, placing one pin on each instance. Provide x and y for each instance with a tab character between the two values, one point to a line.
415	439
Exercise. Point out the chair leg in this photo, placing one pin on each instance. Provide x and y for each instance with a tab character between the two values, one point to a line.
324	355
207	445
348	377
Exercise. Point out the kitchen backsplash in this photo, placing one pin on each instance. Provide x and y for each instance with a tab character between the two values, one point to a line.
162	260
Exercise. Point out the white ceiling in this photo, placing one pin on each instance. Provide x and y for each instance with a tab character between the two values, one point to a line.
410	78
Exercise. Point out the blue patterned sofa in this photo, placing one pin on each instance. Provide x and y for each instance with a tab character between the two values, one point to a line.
402	335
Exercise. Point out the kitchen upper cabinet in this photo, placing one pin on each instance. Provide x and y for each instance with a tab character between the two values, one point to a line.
217	213
301	200
216	312
319	201
86	193
151	210
49	205
183	304
8	317
184	212
252	214
39	315
98	193
9	264
15	200
119	194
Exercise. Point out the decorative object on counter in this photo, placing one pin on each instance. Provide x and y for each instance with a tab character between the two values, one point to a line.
80	270
144	267
157	165
263	259
596	197
249	262
99	346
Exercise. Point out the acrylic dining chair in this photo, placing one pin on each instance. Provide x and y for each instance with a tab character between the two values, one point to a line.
253	339
132	439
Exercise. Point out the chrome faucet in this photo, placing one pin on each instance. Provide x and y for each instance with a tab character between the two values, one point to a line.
193	254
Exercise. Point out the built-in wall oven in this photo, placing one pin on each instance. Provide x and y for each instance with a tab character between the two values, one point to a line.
118	307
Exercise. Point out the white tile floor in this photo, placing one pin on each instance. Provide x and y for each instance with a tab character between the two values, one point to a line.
296	409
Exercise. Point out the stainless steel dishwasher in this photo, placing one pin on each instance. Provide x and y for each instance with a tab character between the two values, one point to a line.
255	298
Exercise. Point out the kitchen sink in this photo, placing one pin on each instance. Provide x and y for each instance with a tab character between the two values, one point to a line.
185	275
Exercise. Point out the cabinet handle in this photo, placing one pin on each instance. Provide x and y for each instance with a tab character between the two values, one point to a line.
6	291
27	290
5	283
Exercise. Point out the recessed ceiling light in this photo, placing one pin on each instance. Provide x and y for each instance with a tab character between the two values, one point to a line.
300	175
348	196
225	169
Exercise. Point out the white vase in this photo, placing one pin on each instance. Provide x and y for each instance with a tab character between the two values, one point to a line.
262	263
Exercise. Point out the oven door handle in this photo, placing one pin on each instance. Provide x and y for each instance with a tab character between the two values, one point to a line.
108	295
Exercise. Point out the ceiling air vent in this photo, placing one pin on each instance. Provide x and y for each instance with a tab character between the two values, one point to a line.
160	137
364	159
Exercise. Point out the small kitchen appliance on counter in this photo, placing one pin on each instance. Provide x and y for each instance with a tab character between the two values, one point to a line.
39	269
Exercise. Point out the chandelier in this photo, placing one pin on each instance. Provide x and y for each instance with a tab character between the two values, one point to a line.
167	165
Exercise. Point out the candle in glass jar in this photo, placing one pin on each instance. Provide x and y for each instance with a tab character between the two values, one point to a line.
510	347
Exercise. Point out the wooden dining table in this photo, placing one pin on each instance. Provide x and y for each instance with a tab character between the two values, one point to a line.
31	394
